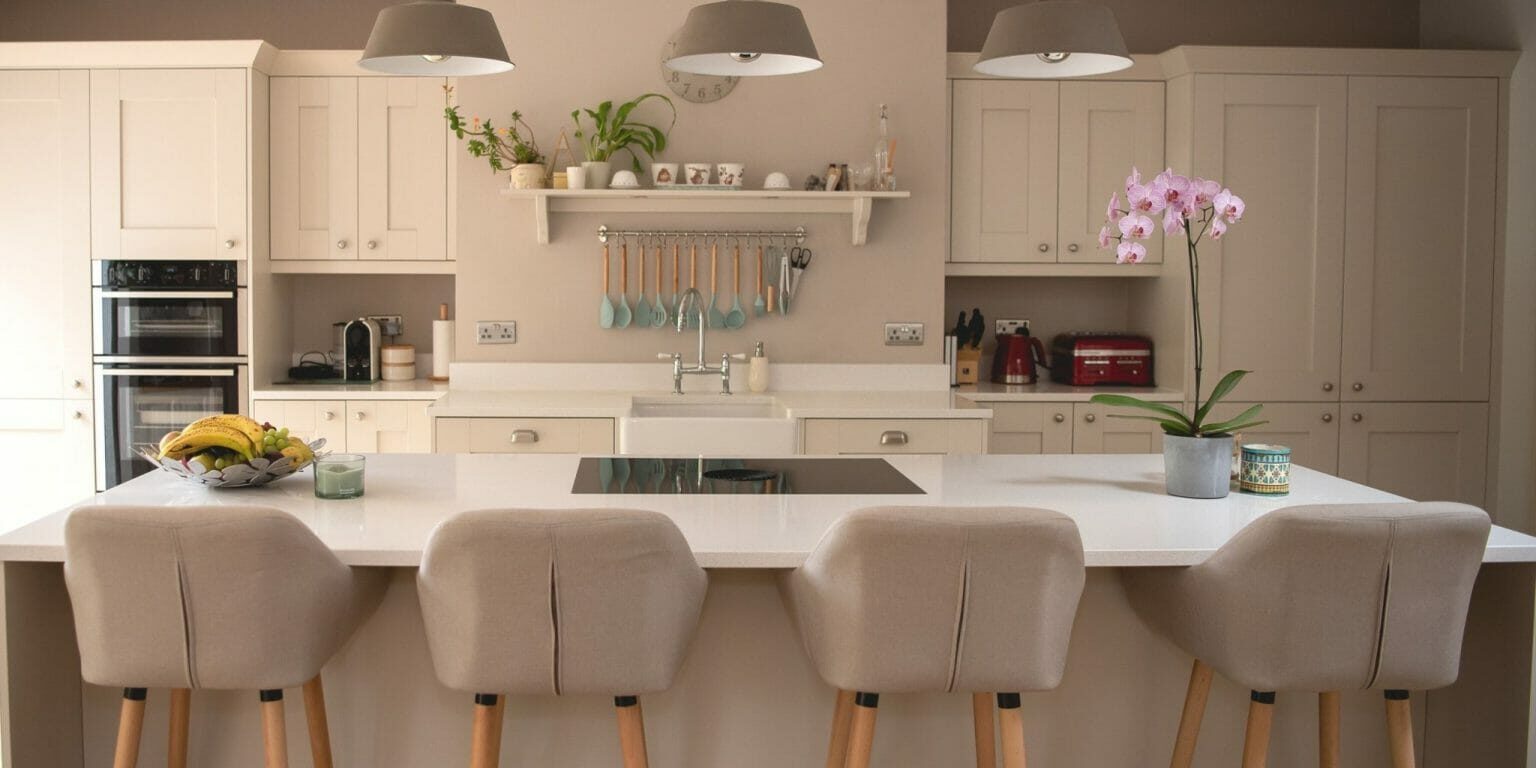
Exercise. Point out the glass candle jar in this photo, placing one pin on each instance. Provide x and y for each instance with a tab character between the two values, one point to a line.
339	476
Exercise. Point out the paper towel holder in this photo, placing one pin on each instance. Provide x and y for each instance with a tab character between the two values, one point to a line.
442	344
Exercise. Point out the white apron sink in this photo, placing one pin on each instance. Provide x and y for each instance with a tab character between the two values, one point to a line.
706	425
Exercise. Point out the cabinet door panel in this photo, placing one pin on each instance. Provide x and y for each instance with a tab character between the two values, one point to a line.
1275	282
49	457
309	419
1004	171
1095	432
314	168
45	250
382	426
854	437
1310	430
1424	451
1106	128
1419	277
168	164
403	174
1028	428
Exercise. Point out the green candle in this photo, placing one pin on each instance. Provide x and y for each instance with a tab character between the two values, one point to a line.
339	476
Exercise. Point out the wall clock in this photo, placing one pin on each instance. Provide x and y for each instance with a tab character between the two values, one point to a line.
699	89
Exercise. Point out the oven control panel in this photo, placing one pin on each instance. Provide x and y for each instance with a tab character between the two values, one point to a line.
167	275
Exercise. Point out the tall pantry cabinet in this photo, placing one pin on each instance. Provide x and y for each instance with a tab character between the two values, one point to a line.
1359	289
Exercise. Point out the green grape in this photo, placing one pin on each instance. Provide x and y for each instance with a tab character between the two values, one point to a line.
220	463
282	433
281	444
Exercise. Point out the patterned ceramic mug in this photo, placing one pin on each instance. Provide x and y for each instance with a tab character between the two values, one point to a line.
1266	470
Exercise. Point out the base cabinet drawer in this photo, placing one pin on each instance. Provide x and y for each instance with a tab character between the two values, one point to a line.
826	437
309	419
359	426
1028	428
499	435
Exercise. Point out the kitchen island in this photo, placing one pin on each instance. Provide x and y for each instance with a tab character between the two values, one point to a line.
747	696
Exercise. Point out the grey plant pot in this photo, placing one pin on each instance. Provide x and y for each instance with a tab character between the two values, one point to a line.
1198	467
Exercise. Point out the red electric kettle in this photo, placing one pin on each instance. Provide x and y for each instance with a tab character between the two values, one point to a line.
1018	357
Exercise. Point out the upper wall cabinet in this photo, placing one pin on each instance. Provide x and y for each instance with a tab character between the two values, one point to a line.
1035	162
45	248
168	164
359	169
1423	157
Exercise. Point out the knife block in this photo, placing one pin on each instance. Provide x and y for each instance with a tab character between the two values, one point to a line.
967	365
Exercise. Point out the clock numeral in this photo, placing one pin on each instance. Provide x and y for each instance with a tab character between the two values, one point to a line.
676	77
703	93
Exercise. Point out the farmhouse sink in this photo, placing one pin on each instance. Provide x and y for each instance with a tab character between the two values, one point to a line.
707	425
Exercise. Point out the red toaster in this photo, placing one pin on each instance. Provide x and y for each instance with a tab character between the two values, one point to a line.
1084	359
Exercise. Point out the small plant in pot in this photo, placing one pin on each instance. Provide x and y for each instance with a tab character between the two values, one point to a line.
1197	450
512	149
612	131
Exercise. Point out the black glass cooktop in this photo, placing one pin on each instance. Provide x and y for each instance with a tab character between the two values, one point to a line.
619	475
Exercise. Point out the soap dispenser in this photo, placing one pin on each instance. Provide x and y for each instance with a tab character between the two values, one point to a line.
757	370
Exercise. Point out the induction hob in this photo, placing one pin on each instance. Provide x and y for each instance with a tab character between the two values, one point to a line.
830	476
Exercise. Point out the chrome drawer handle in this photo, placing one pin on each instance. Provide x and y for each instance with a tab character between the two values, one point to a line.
524	436
893	437
1059	418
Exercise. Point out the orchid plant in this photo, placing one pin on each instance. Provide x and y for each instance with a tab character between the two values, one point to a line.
1193	207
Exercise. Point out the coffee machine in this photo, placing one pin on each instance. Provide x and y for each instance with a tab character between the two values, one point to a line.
1018	358
362	339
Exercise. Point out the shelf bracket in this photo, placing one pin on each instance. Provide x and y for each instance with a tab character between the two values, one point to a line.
541	219
862	207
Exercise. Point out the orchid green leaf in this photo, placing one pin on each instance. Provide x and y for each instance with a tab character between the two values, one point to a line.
1227	426
1222	389
1126	401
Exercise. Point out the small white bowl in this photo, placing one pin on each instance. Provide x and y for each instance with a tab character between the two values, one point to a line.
776	180
624	180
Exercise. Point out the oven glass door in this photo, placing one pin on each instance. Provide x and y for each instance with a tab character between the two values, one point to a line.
140	404
167	323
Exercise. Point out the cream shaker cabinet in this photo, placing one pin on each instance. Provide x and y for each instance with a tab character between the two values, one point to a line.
1310	430
1030	428
1423	156
48	450
854	437
1034	164
168	164
309	419
1094	431
534	435
359	169
45	250
1424	451
358	426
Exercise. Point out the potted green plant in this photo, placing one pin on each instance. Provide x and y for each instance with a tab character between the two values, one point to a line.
512	149
612	132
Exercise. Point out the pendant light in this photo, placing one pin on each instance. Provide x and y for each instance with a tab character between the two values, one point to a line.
738	38
435	37
1053	38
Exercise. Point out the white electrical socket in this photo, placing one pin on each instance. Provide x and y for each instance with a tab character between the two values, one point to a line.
1005	327
496	332
903	334
385	321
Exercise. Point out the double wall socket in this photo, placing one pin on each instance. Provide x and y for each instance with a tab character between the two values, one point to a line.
392	325
903	334
1005	327
496	332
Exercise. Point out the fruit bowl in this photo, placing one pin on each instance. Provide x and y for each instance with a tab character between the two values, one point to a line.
257	471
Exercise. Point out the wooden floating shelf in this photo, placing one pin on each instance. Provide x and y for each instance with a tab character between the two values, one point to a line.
1050	269
856	205
362	267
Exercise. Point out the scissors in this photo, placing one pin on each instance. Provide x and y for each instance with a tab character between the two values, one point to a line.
799	257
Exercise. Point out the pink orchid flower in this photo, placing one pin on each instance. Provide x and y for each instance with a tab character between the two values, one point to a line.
1228	205
1113	212
1173	221
1135	225
1218	228
1105	238
1204	191
1143	199
1171	187
1133	180
1130	253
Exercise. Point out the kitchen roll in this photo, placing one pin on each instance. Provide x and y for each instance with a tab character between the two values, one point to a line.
442	348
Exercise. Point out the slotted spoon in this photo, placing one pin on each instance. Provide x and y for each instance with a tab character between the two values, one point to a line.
736	318
659	312
716	317
643	308
622	315
605	310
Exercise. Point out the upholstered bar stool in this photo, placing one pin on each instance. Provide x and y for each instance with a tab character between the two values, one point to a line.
240	598
559	602
938	599
1321	599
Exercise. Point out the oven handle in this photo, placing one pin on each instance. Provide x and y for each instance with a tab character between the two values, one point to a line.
222	373
166	294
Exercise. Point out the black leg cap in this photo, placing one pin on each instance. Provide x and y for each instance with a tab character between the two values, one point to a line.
866	700
275	694
1395	695
485	699
135	694
1262	697
1007	701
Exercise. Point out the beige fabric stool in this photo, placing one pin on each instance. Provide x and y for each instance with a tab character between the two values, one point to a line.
1322	598
559	602
210	597
926	599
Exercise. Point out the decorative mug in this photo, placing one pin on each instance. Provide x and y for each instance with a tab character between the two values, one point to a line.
730	174
1265	470
575	177
696	174
663	174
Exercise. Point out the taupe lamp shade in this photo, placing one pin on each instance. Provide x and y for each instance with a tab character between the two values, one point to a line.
435	37
738	38
1053	38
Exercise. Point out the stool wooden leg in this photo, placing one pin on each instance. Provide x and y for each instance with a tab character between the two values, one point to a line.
1328	729
274	729
319	727
130	727
485	739
1194	712
181	716
631	731
1010	721
1400	728
861	736
1261	714
986	731
842	721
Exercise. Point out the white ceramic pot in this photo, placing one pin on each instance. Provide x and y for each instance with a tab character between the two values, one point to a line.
529	176
1198	467
598	173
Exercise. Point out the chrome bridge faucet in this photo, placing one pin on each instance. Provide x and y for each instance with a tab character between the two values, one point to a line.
692	302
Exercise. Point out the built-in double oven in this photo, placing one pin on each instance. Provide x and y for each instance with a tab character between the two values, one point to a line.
170	346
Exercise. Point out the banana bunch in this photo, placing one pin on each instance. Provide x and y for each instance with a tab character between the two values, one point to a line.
236	434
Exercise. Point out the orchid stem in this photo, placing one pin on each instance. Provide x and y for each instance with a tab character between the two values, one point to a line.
1194	288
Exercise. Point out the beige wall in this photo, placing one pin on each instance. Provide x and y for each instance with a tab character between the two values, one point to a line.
317	301
1509	25
794	124
1153	26
1052	305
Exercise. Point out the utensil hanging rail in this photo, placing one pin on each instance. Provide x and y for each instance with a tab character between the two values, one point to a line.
797	234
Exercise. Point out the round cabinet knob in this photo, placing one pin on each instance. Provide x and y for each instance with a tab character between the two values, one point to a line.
1327	386
77	415
1090	418
1059	418
373	245
1072	248
359	415
1357	386
1327	418
341	244
1045	247
76	384
1357	417
328	416
229	245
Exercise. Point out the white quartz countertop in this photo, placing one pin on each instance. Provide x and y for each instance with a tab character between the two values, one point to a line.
1117	500
926	404
1051	392
415	389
